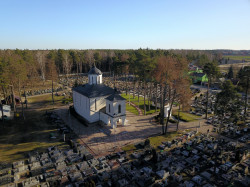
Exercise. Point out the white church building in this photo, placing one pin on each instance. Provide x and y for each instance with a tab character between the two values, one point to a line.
98	103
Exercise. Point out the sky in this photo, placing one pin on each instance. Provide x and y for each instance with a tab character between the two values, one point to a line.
125	24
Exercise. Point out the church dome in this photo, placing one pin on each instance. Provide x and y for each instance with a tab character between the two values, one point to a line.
94	71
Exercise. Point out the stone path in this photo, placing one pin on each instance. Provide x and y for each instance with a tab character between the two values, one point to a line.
137	108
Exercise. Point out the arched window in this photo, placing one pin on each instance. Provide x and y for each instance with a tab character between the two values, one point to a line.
109	108
95	104
119	109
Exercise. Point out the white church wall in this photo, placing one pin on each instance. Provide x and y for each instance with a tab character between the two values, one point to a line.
95	79
109	103
105	118
81	105
123	107
100	79
112	121
94	108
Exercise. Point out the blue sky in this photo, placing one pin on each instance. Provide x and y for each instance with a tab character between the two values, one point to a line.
125	24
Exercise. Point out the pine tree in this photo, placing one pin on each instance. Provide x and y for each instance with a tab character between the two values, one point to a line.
230	74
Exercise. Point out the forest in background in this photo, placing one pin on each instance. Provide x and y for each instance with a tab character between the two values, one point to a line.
18	67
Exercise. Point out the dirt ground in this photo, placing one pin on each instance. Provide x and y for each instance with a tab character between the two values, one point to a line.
102	140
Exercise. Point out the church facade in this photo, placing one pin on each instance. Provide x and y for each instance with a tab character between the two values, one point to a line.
96	102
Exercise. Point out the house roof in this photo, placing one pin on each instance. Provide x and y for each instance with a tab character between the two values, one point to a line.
94	90
94	71
115	97
198	74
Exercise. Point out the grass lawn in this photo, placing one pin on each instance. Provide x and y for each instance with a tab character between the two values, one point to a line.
44	98
184	116
247	58
236	67
14	152
132	109
154	141
141	104
157	140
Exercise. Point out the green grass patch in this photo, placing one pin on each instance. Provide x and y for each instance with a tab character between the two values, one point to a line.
132	109
184	116
44	98
140	104
157	140
232	57
129	147
154	141
14	152
240	122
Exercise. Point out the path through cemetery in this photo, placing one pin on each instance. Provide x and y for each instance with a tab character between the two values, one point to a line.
103	139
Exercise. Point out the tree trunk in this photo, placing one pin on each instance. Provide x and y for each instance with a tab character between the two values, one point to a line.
163	98
13	98
26	101
138	90
149	97
4	92
114	80
134	89
246	103
144	98
52	91
156	97
161	112
126	81
169	112
77	70
19	89
23	111
177	127
169	93
207	98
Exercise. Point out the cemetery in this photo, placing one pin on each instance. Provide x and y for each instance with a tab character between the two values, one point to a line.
124	94
193	159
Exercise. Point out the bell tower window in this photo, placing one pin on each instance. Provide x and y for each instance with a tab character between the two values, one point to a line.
119	109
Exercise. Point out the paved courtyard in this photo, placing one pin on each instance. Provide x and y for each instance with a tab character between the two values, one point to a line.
102	139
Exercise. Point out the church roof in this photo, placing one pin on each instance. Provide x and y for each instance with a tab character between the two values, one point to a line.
94	90
115	97
94	70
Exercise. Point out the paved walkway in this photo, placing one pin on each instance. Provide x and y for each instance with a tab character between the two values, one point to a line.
103	139
137	108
